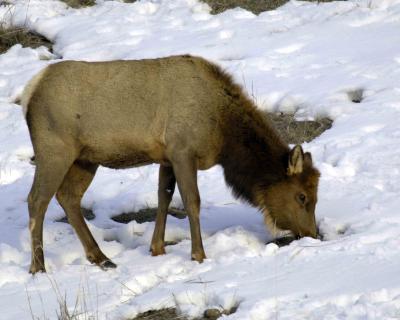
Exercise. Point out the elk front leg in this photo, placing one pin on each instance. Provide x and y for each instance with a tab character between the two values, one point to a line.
185	170
166	187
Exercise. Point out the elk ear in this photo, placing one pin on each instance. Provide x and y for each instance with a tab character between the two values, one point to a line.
296	161
308	159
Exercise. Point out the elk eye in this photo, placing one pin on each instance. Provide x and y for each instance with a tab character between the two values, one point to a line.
302	198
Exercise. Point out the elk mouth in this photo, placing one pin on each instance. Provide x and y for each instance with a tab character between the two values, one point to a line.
309	231
283	240
313	235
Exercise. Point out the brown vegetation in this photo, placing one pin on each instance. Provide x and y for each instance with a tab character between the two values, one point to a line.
298	131
255	6
172	314
12	36
80	3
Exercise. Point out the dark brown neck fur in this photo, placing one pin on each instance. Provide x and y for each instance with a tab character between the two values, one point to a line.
253	154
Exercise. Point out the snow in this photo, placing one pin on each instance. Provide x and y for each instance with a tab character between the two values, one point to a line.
308	58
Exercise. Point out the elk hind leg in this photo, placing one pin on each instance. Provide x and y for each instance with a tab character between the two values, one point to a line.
49	174
69	195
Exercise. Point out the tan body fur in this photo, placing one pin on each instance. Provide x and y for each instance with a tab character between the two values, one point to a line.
182	112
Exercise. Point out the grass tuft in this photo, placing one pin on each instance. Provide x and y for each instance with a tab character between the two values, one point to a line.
293	131
77	4
255	6
12	36
162	314
172	314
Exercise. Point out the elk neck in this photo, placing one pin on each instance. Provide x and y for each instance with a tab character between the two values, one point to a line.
253	155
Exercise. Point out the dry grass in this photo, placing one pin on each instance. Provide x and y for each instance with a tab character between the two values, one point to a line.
163	314
87	213
12	36
293	131
172	314
255	6
85	306
79	3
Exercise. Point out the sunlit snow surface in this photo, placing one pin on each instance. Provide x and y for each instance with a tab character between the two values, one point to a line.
304	57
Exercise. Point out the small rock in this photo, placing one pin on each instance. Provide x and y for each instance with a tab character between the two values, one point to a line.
212	314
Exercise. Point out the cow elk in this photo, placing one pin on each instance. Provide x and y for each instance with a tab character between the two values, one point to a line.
182	112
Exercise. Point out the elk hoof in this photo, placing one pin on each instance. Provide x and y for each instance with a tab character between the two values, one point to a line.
157	252
34	269
107	264
199	257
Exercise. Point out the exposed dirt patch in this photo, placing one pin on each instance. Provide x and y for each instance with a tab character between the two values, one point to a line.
172	314
12	36
147	215
296	132
217	6
143	215
288	239
213	314
163	314
255	6
79	3
283	241
87	213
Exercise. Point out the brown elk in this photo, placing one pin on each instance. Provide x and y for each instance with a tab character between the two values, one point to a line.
181	112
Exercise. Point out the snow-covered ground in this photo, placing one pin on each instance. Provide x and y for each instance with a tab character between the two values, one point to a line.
304	57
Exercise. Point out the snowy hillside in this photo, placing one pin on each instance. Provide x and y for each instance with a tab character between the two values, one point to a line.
304	57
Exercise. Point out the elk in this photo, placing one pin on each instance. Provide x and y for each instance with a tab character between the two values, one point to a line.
182	112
